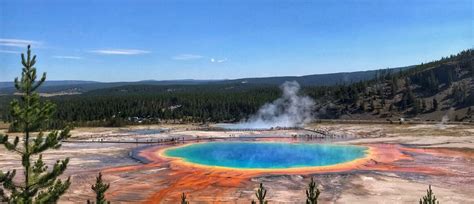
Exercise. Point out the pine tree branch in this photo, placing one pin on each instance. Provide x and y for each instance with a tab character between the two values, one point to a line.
10	146
40	82
3	196
6	179
53	192
45	179
53	140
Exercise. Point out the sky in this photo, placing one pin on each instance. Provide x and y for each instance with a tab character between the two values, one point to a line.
132	40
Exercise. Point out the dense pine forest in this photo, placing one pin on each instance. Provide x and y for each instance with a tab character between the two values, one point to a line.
426	90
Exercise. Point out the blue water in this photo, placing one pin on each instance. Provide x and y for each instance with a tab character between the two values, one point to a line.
267	155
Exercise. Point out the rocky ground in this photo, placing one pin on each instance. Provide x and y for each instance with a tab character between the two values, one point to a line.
446	148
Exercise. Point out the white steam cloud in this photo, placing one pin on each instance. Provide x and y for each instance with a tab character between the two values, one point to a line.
290	110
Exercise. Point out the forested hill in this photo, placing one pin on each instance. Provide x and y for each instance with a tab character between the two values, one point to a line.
430	91
77	87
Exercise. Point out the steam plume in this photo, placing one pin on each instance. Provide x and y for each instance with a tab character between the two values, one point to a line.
290	110
445	119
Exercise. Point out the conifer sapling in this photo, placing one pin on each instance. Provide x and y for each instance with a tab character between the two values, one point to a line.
30	116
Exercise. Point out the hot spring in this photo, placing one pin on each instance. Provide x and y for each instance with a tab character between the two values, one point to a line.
266	155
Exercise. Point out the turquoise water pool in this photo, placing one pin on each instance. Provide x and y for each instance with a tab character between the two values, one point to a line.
266	155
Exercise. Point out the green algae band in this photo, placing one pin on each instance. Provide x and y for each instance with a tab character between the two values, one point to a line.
266	155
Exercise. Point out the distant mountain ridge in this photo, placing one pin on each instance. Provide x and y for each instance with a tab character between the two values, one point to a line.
317	79
80	86
85	86
9	84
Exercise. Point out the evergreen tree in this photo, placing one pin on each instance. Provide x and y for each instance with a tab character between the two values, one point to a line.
429	198
363	106
382	103
29	115
433	82
451	72
408	96
459	93
183	199
416	107
394	86
372	105
435	104
423	105
99	188
390	108
472	68
312	193
260	194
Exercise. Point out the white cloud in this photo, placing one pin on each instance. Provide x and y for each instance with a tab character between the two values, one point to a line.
196	57
187	57
67	57
9	52
120	52
18	42
213	60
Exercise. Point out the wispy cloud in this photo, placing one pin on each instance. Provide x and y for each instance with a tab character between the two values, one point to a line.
67	57
187	57
120	52
18	42
9	52
213	60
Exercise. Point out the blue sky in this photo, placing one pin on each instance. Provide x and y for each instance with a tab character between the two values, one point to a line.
132	40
